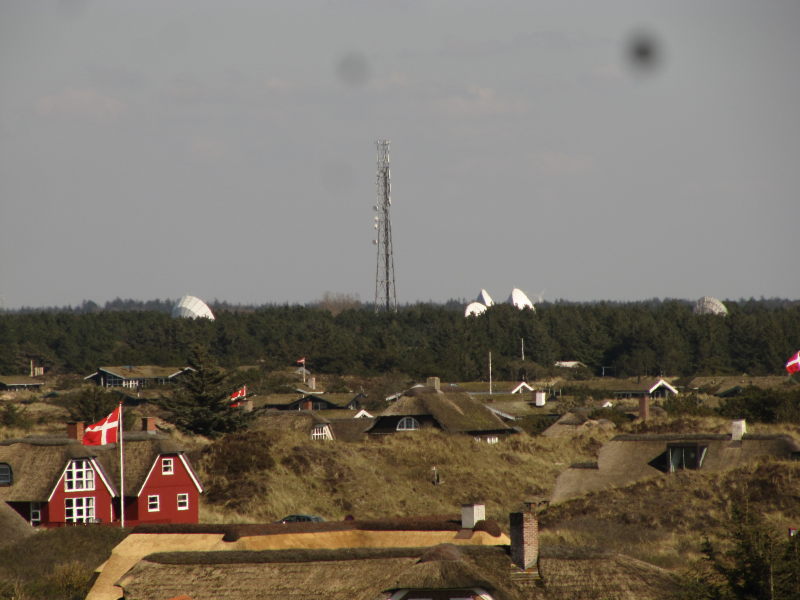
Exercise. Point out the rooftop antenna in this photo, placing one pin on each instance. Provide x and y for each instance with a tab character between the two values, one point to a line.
385	293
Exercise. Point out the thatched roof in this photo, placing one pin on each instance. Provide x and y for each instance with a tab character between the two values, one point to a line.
571	574
626	458
38	462
19	381
291	420
234	531
335	574
400	532
570	422
449	567
142	371
350	430
141	451
721	384
36	466
260	400
335	399
455	412
378	572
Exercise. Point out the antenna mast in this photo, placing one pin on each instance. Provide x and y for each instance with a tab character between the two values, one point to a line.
385	293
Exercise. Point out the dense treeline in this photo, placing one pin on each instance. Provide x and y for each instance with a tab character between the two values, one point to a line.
643	338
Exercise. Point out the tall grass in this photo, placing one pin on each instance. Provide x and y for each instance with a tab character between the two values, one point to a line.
284	472
57	564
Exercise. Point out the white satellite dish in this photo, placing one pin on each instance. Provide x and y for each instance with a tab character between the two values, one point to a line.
474	309
519	299
485	299
710	306
191	307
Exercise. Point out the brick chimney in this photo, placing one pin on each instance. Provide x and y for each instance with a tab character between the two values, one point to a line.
471	514
644	407
75	430
149	424
434	382
525	536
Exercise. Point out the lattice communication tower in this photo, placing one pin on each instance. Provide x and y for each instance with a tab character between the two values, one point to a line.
385	294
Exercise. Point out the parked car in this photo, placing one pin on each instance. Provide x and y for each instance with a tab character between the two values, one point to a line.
301	519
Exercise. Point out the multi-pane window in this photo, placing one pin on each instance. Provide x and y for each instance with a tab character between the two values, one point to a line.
79	510
408	424
183	501
80	475
6	477
167	466
320	432
153	503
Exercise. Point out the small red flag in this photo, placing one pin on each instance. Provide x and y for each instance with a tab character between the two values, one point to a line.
238	395
104	431
301	361
793	366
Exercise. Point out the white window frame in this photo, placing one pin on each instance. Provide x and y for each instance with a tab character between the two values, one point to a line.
8	474
183	501
407	424
79	476
167	466
35	513
79	510
320	432
154	503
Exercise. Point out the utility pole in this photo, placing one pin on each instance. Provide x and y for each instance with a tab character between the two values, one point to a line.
385	293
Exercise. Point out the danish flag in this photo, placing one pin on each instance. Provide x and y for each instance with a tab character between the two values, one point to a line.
104	431
239	394
301	361
793	366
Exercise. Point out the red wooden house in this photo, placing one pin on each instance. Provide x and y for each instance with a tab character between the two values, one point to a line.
57	481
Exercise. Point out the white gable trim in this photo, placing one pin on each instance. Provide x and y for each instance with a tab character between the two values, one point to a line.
362	414
520	387
95	467
146	479
109	486
191	473
663	383
186	466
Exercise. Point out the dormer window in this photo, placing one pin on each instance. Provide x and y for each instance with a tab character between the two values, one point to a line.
6	476
320	432
685	456
79	476
167	466
408	424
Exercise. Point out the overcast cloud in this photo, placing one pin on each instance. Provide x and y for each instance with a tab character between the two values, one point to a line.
152	149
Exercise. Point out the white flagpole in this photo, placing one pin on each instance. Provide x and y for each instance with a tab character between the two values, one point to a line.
121	471
490	371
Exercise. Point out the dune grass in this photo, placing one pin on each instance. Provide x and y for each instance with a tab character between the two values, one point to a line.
284	472
664	519
57	564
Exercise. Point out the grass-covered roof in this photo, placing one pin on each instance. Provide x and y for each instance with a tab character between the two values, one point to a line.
455	412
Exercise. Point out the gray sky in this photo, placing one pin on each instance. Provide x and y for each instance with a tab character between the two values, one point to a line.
151	149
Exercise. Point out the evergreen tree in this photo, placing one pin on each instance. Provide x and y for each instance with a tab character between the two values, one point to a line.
751	563
201	405
91	404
